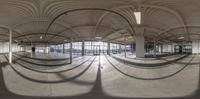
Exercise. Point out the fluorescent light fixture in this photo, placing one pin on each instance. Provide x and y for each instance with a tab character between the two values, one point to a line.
138	17
181	37
98	37
40	37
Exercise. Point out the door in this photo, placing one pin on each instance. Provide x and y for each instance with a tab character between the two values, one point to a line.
96	50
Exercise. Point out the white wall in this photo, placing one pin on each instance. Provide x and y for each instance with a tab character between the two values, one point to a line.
4	47
195	47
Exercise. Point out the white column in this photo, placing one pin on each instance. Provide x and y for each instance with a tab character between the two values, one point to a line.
196	47
140	47
10	46
47	49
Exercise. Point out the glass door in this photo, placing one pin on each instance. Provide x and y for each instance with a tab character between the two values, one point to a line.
96	50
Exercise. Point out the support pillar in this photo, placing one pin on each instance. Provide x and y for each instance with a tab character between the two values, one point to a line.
125	46
47	49
125	50
196	47
108	50
140	47
83	48
120	49
10	46
63	47
70	50
133	48
154	45
172	48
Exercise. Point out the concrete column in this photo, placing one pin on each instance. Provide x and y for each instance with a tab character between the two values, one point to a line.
154	46
92	48
63	47
108	50
99	49
10	46
71	40
47	49
83	48
116	49
140	47
103	48
132	48
161	48
196	47
120	49
125	46
125	50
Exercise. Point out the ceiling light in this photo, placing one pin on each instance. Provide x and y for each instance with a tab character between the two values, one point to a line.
98	37
138	17
40	37
181	37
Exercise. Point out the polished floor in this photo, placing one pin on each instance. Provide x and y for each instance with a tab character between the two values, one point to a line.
100	77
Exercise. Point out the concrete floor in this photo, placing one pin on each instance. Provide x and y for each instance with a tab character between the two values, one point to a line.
148	62
52	55
94	77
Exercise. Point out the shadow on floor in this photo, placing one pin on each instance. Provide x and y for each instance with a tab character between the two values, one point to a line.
95	93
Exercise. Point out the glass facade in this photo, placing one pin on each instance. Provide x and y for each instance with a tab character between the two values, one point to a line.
90	48
76	49
5	47
115	48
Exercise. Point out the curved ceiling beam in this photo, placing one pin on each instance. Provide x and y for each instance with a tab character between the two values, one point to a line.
174	28
95	9
180	18
30	34
105	14
179	34
78	26
7	28
65	25
26	7
118	37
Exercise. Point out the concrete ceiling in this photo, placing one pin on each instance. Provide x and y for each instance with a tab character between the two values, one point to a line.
162	20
